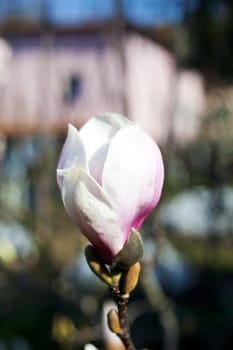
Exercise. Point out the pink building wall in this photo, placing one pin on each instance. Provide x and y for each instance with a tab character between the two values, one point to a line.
135	76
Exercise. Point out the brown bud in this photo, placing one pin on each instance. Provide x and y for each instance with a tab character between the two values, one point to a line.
113	321
130	278
97	266
130	254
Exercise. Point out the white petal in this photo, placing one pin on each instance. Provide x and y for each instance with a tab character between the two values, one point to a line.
90	347
98	130
117	120
133	175
73	152
68	179
91	209
96	162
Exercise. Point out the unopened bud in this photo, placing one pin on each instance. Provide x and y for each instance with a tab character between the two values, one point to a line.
97	266
130	254
113	321
130	278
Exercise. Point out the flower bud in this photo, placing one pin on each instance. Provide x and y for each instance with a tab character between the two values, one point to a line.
97	265
130	254
113	321
110	174
130	278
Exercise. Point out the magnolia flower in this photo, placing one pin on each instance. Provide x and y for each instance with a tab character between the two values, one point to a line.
110	175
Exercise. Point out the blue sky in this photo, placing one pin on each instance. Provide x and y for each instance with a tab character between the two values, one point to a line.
145	12
74	11
142	12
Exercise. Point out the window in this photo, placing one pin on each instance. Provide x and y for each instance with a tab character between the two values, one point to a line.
72	89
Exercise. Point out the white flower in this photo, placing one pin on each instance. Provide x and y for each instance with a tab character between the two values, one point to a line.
110	174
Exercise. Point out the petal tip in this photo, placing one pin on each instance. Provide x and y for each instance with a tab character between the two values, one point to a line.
71	128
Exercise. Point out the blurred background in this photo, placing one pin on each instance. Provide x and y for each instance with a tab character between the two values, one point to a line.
167	65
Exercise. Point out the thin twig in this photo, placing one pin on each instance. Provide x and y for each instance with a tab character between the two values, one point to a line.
124	335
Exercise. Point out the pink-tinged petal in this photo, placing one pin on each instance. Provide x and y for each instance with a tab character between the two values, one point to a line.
91	209
98	130
73	152
133	176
